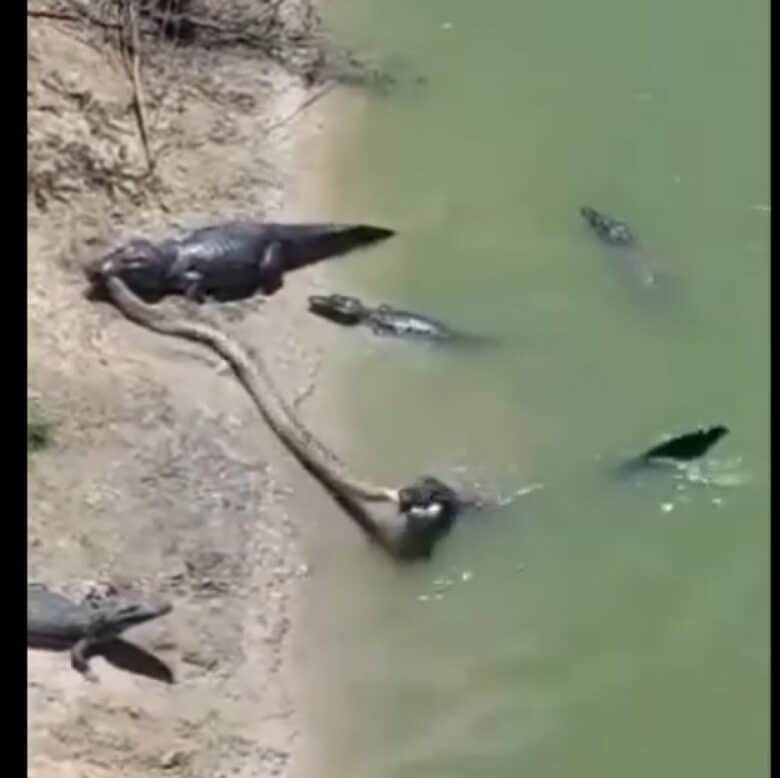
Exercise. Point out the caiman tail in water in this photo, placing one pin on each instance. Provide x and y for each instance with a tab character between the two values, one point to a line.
430	507
676	451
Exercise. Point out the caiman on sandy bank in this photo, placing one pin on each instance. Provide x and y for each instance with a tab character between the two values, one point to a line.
386	320
622	240
54	621
228	261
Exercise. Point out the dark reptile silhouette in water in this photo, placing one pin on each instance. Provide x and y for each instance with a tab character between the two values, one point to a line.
675	451
626	250
227	261
386	320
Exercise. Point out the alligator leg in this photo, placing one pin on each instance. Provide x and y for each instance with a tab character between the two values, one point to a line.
272	268
79	661
193	289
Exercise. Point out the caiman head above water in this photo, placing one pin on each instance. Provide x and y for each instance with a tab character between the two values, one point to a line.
338	308
608	229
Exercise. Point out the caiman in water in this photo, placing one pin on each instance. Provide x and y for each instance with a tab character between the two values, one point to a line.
621	238
386	320
228	261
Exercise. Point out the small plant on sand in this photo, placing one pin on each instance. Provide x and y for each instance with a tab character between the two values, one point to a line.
39	428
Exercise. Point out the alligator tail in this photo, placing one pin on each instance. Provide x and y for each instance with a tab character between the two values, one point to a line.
305	244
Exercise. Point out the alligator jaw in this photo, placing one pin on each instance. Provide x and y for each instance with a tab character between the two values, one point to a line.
338	309
95	274
114	621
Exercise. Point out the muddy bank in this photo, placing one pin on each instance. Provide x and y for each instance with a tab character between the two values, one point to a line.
157	473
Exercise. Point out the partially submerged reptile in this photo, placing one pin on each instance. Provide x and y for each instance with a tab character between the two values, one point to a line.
54	621
610	230
429	506
619	235
677	450
385	320
228	261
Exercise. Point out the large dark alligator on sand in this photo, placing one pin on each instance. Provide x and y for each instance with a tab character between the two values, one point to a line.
385	320
228	261
677	450
54	621
619	235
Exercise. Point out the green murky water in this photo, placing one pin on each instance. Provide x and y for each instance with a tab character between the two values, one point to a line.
593	629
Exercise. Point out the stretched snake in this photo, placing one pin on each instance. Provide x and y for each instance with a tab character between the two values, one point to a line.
346	489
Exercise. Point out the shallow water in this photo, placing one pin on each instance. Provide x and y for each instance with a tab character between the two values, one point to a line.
595	627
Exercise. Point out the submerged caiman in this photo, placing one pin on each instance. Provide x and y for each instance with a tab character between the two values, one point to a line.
622	239
227	261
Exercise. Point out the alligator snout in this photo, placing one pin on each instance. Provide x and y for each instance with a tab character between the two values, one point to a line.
317	302
96	273
337	308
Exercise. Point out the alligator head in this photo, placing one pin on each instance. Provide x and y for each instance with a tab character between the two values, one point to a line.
110	622
338	308
138	263
610	230
590	215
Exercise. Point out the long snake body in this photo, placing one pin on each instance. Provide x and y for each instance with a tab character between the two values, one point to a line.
430	506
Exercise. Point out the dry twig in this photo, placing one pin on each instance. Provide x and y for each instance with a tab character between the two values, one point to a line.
131	57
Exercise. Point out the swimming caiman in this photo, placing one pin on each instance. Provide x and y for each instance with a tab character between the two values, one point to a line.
386	320
618	235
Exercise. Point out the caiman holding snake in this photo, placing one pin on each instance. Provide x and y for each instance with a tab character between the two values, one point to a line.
430	507
227	261
386	320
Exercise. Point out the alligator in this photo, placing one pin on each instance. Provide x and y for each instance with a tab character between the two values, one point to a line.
429	506
678	450
618	235
610	230
385	320
54	621
225	262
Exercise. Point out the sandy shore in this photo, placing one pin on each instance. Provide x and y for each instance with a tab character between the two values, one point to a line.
161	476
